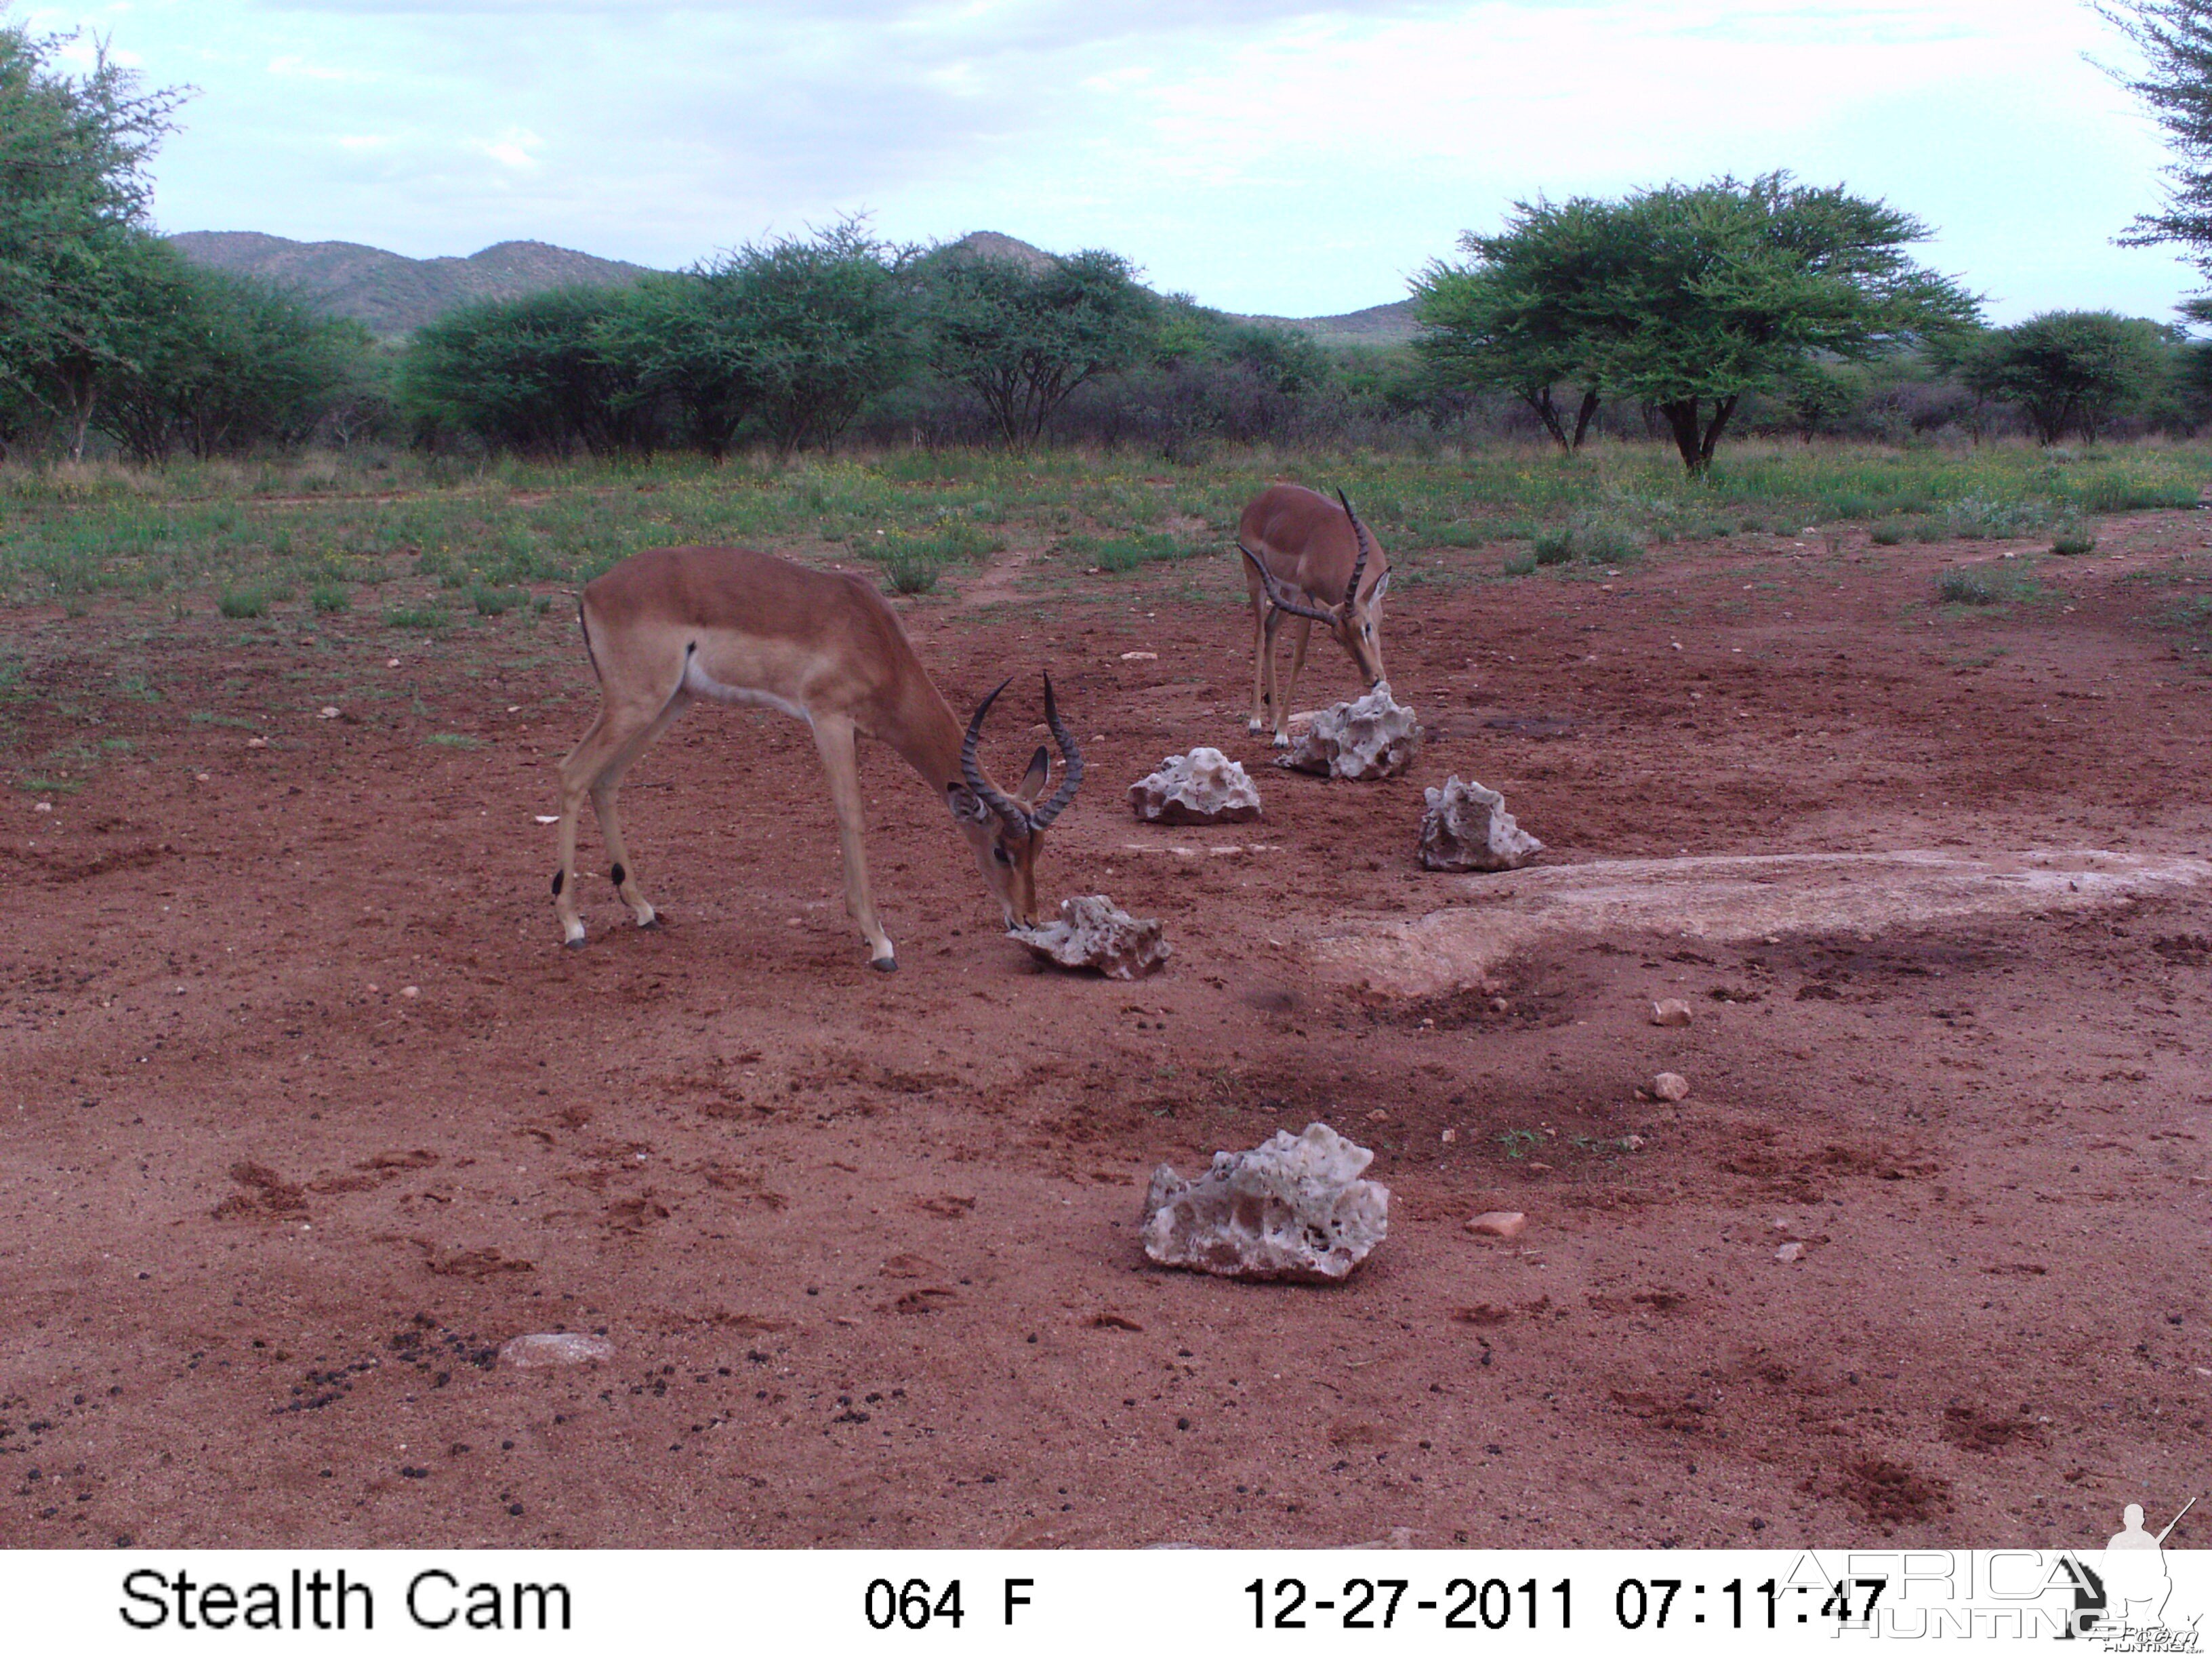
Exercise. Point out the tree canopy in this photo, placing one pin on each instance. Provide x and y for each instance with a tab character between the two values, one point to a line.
2070	371
1025	338
1685	297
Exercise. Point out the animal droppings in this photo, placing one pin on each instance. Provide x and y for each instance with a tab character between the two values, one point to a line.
1294	1208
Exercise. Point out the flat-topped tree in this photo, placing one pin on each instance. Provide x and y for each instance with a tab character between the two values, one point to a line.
1687	297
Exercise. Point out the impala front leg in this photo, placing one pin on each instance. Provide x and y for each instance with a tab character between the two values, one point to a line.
1273	696
1290	691
1261	636
832	737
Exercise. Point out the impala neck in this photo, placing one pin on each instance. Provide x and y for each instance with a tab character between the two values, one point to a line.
921	727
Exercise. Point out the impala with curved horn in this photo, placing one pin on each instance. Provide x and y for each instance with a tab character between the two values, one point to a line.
1296	541
676	623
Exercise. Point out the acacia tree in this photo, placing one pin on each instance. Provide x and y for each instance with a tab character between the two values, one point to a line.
1511	318
2070	371
532	374
1025	338
2175	38
1688	297
73	204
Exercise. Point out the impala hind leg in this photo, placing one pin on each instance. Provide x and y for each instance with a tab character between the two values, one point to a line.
618	726
832	737
604	792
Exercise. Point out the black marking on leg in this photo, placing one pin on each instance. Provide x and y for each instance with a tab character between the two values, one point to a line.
618	873
558	876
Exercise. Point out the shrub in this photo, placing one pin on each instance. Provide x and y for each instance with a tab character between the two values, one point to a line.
1595	540
1886	533
912	572
496	601
329	598
1958	585
240	602
1520	564
423	618
2073	537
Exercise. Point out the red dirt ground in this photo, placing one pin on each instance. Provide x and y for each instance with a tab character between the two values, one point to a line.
866	1246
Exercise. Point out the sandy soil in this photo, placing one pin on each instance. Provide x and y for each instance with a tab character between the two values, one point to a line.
306	1112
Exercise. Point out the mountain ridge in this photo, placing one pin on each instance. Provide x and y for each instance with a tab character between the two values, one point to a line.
393	294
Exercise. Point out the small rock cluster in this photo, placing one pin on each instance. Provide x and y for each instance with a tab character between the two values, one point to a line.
1093	931
1467	827
1376	737
1294	1208
1203	787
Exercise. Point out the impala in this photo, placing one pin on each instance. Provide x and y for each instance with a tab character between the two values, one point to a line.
1295	540
667	626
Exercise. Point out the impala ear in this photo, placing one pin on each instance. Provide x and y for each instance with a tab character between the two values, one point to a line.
1381	588
1032	782
964	805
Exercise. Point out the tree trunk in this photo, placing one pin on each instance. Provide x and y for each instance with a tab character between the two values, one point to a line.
1539	399
1585	415
1682	420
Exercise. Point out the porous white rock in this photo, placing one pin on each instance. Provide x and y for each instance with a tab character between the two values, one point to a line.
555	1348
1376	737
1671	1085
1203	787
1293	1207
1093	931
1467	827
1672	1011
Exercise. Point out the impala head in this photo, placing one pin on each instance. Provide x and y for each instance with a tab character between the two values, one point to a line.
1356	619
1006	831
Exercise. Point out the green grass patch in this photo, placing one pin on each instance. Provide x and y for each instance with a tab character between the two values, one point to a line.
453	740
329	598
240	604
423	619
1118	554
496	601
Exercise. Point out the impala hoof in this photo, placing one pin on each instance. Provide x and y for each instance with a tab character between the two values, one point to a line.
1282	740
650	918
576	944
885	964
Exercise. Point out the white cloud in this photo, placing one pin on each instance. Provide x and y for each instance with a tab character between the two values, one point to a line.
1274	155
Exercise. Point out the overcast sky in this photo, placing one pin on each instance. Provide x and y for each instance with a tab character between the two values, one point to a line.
1264	155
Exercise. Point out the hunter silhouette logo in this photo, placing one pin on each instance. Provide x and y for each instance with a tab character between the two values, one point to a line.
2122	1600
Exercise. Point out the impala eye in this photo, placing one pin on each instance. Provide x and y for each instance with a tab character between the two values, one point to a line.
1000	855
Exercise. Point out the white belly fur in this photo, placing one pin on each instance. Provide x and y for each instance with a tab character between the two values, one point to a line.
699	683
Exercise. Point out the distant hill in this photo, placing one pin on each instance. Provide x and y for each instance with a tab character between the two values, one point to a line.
1377	325
394	294
391	292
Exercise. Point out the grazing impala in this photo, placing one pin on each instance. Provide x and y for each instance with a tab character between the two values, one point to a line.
1294	540
663	626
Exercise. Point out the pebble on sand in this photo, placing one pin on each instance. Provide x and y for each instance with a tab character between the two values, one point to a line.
556	1348
1497	1223
1793	1251
1673	1012
1671	1085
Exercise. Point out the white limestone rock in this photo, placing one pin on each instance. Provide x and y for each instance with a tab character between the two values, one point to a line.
1376	737
1294	1208
1203	787
1093	931
1467	827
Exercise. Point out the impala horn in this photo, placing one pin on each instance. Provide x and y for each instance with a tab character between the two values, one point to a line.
1071	763
1279	597
1351	587
1017	820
